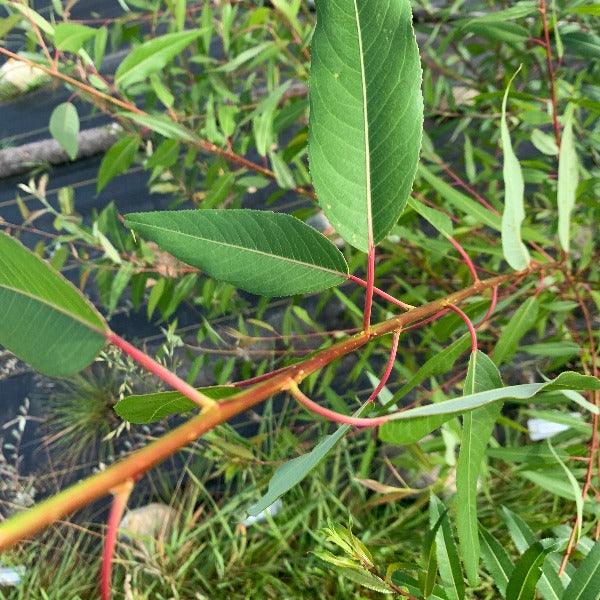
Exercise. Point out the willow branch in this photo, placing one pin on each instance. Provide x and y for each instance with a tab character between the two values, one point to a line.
49	511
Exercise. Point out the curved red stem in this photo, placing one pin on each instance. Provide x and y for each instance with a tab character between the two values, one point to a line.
388	368
469	325
466	258
331	415
110	540
491	308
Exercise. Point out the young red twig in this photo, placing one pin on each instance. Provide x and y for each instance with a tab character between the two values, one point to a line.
331	415
466	258
551	74
161	372
381	293
117	508
370	287
469	325
388	368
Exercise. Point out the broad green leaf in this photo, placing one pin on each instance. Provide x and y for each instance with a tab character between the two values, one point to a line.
565	381
148	408
366	115
294	471
152	56
528	570
447	553
163	126
515	252
568	179
64	127
520	323
271	254
44	320
496	560
482	375
117	160
549	584
585	582
70	37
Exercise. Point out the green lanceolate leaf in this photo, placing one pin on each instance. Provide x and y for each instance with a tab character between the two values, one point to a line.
567	180
294	471
64	127
70	37
527	391
261	252
152	56
549	584
366	115
519	324
585	582
528	570
496	560
117	160
409	432
44	320
447	553
515	252
148	408
482	376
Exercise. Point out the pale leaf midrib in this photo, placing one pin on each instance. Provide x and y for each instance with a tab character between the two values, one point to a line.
366	130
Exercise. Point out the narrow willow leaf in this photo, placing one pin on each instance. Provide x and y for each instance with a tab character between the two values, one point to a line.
117	160
482	375
70	37
64	128
163	126
515	252
527	391
528	570
265	253
549	584
152	56
585	583
294	471
428	576
496	560
366	115
520	323
576	491
568	179
465	204
148	408
44	320
447	553
435	218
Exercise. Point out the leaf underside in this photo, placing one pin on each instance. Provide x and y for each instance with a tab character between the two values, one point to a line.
262	252
366	115
44	320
